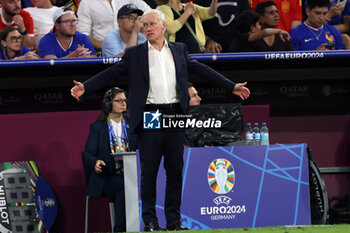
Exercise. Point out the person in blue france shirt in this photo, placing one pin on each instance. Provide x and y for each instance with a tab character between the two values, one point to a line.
128	33
339	16
65	41
337	13
11	45
157	73
109	134
314	33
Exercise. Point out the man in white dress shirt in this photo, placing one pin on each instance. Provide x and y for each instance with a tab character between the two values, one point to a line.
157	71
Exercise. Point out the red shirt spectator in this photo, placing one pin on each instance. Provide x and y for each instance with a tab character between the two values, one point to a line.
27	19
11	14
290	12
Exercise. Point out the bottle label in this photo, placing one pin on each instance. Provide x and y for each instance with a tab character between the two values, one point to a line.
264	136
249	136
256	136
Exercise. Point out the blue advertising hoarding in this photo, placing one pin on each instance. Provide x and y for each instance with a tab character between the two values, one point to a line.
242	186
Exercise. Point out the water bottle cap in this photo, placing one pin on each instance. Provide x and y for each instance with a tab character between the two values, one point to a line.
256	123
264	123
249	123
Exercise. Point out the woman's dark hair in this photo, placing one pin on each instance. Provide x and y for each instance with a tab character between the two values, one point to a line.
107	102
3	35
245	20
5	32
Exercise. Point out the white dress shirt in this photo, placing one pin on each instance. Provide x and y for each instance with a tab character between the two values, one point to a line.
162	76
97	18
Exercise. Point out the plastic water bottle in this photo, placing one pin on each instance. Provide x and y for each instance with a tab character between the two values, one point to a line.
264	134
249	134
256	134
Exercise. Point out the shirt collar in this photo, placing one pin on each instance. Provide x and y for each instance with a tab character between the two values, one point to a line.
315	29
4	20
166	45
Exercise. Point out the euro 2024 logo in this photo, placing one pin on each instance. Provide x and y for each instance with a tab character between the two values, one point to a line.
221	176
221	179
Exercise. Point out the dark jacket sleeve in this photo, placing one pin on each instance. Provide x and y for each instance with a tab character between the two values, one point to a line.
91	148
107	77
94	182
97	148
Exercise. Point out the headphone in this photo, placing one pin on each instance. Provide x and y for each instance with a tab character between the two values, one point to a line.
107	103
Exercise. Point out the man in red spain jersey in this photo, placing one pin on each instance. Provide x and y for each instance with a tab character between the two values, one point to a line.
11	14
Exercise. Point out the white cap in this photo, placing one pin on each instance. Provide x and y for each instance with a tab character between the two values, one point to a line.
59	12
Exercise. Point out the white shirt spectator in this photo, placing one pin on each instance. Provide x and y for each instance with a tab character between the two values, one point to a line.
97	18
43	22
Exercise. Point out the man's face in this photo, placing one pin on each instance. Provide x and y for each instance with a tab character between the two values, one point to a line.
317	16
270	18
67	25
11	7
194	97
13	41
154	27
127	22
119	103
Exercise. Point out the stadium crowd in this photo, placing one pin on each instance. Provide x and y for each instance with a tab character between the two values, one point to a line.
32	29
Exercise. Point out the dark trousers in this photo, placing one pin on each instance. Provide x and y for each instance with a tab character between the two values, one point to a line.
114	187
153	145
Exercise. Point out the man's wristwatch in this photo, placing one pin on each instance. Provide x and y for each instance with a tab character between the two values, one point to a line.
24	33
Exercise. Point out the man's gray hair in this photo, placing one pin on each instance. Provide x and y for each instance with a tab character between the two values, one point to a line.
156	12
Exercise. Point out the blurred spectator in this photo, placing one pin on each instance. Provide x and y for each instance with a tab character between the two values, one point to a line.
11	45
128	33
222	29
337	13
184	23
269	18
250	28
67	4
314	33
290	12
98	18
64	40
42	15
339	16
26	3
151	3
11	14
195	99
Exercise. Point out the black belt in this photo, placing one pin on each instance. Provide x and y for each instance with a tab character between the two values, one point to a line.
162	106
